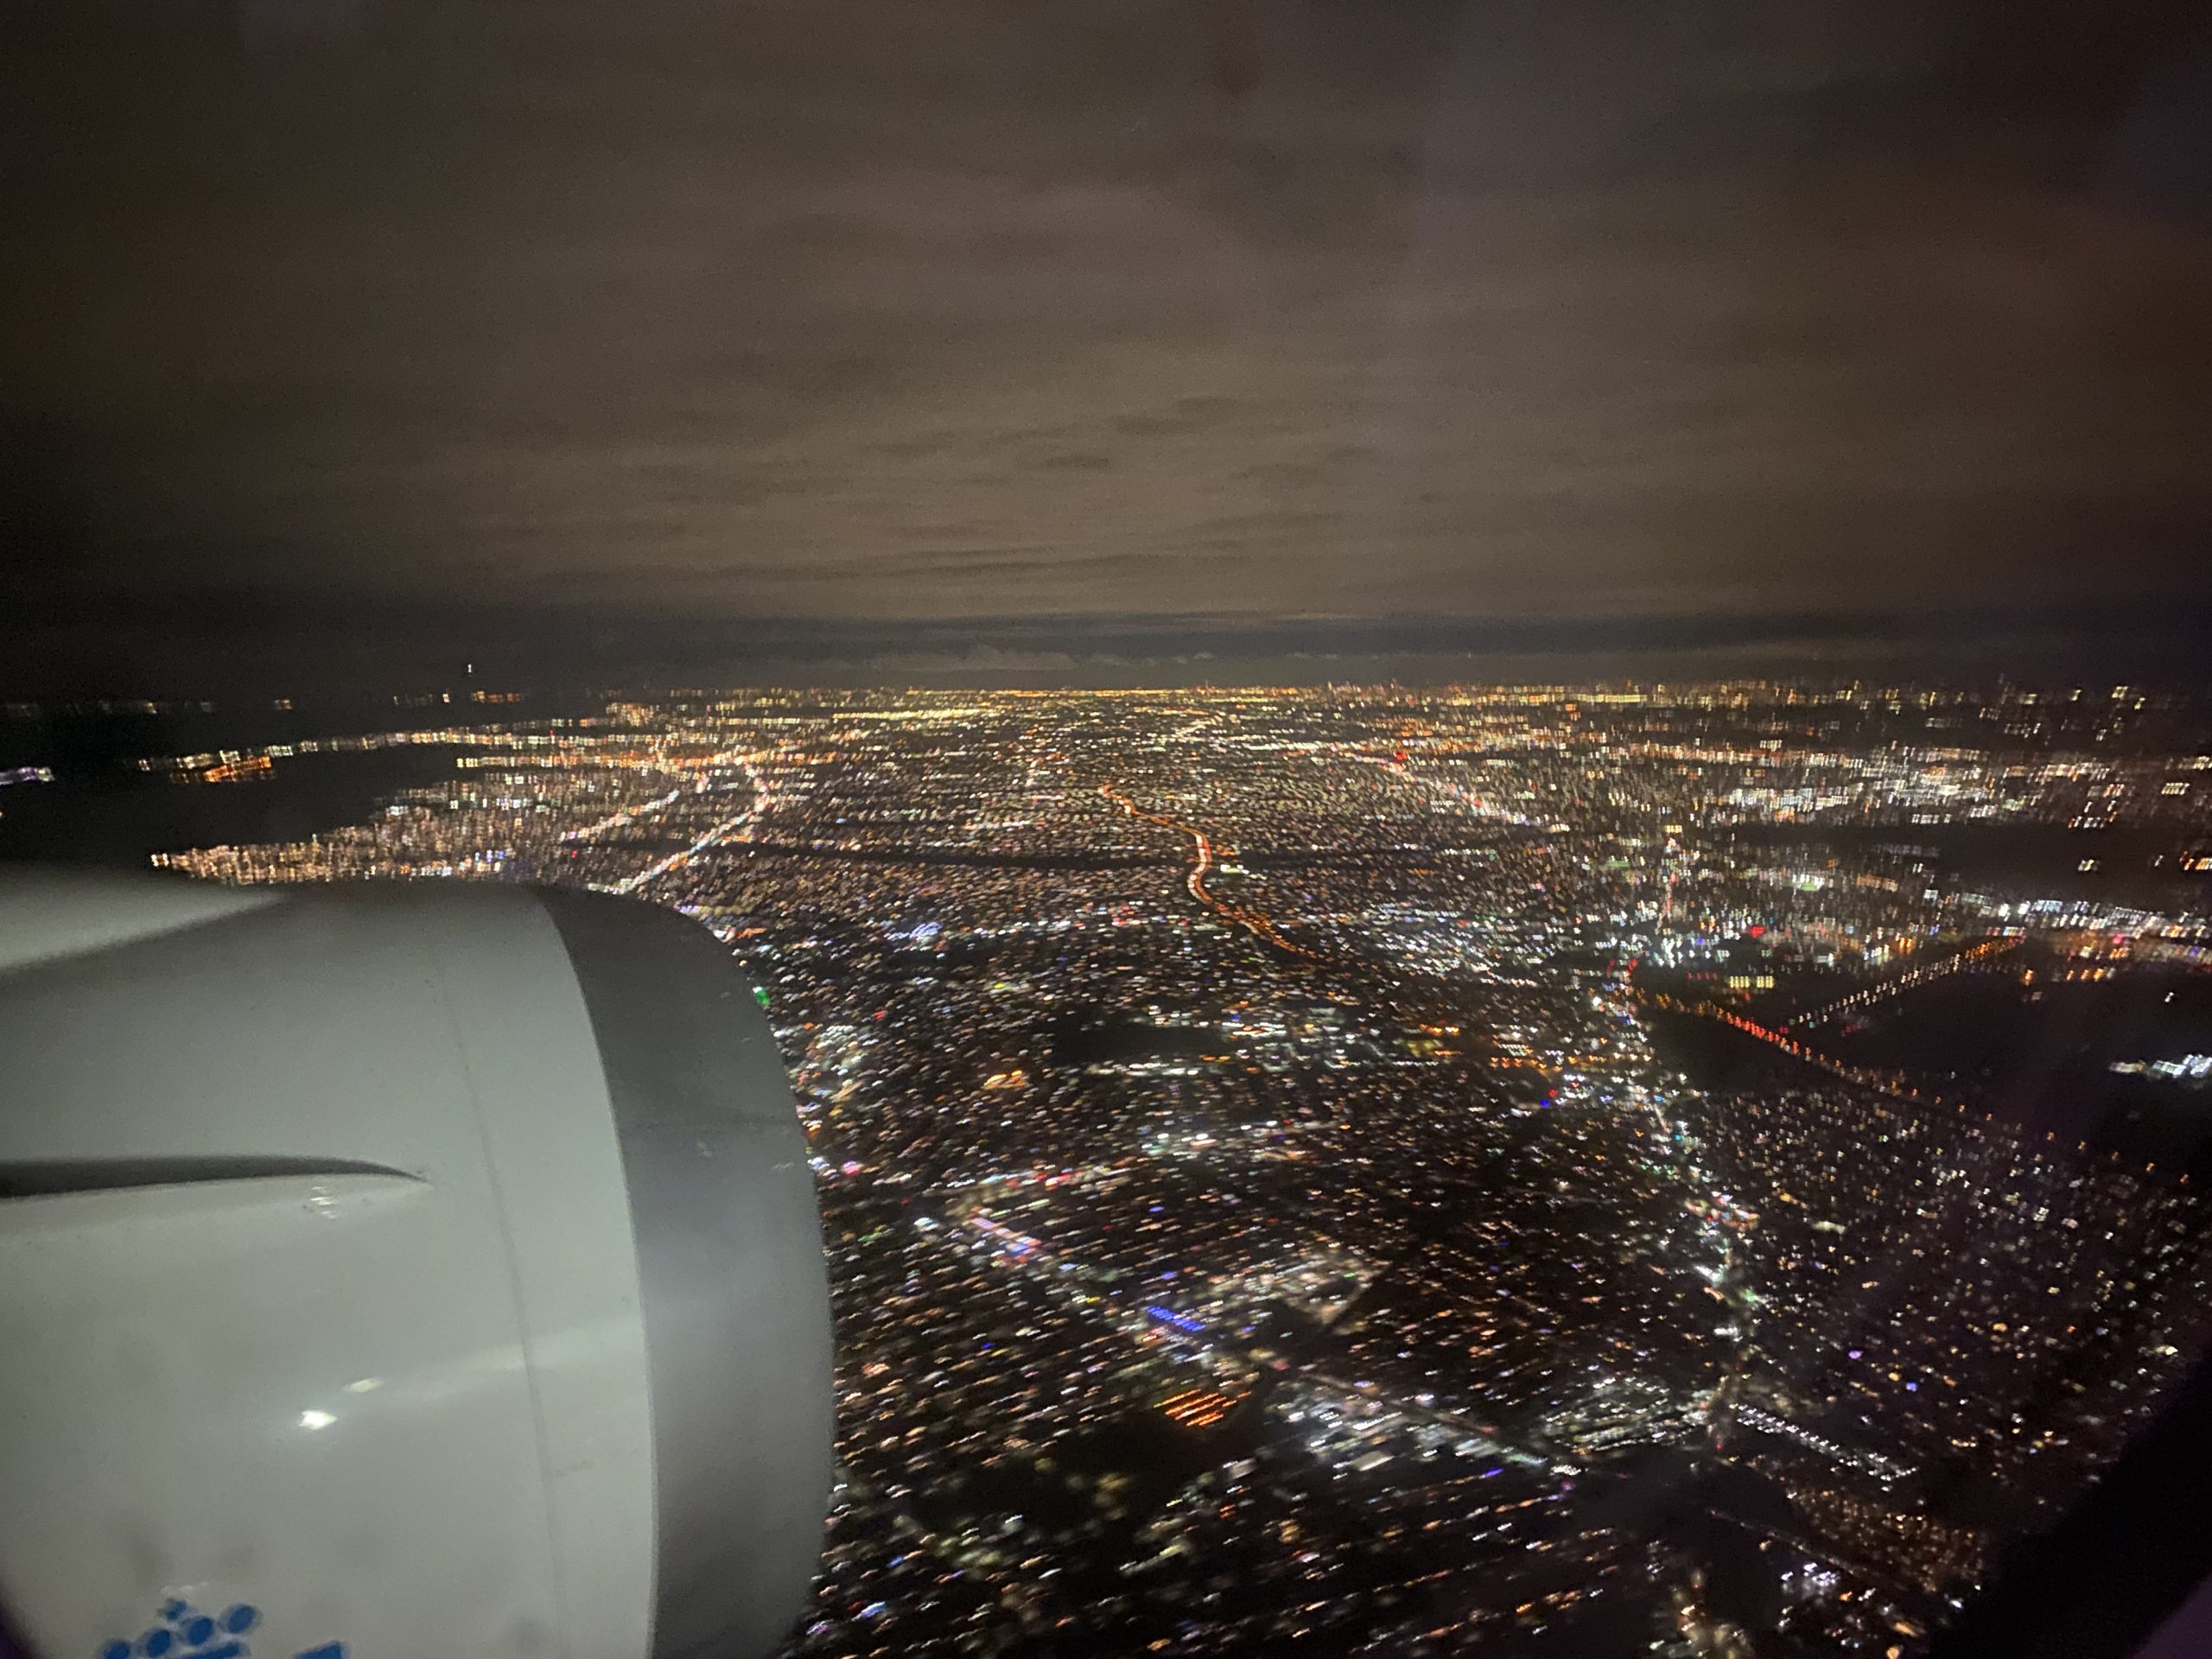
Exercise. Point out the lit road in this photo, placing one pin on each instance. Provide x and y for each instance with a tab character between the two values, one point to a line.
730	828
1256	923
618	820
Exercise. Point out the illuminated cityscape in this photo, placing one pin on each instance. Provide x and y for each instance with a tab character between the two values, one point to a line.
1694	1170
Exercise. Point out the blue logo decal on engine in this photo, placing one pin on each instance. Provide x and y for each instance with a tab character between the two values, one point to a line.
185	1632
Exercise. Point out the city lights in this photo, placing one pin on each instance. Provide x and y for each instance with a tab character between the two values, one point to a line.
1403	1170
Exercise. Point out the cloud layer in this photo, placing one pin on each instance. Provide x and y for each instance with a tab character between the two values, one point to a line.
870	312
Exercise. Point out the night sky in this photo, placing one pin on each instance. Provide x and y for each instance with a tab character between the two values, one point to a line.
1098	340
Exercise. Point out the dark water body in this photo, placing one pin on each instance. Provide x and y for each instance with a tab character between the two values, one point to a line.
1094	1036
102	808
81	741
117	818
1992	1028
2134	866
2041	1055
2041	1063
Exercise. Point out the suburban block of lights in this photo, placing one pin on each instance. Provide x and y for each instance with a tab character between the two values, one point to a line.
1379	1172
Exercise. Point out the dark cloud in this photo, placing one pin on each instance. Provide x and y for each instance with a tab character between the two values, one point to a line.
1185	415
881	315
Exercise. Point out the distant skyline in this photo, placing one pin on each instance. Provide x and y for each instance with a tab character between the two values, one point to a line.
871	340
301	652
